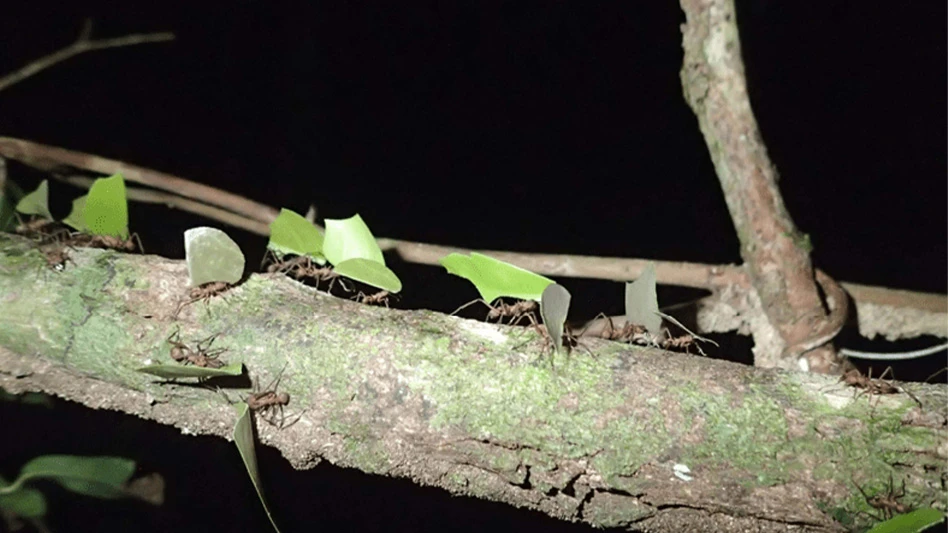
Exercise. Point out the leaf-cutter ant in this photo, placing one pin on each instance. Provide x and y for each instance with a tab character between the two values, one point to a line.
41	230
56	256
379	298
515	312
887	502
269	403
877	386
639	335
203	292
112	242
201	355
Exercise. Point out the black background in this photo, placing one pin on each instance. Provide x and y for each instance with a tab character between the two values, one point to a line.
531	126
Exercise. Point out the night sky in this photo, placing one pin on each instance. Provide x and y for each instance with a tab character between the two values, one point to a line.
531	126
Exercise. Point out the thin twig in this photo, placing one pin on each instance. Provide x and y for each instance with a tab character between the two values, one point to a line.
51	158
82	44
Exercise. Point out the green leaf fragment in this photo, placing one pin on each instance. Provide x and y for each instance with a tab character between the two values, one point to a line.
292	234
106	210
494	278
101	477
350	238
243	437
75	219
913	522
370	273
8	195
641	301
554	308
36	202
212	255
191	371
25	502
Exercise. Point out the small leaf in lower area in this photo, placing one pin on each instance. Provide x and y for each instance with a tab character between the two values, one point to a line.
554	307
913	522
36	202
244	439
101	477
212	256
641	302
181	371
24	502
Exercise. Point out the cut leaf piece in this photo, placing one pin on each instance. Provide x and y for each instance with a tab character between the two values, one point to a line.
243	437
641	302
212	256
106	210
554	307
292	234
101	477
370	273
914	522
494	278
36	203
190	371
76	220
348	239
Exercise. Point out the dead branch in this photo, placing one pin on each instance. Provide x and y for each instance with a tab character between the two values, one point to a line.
83	43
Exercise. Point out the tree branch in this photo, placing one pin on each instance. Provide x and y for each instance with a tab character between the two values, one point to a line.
774	253
83	43
892	313
477	409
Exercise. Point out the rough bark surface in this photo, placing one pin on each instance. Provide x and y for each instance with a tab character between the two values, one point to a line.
477	409
774	251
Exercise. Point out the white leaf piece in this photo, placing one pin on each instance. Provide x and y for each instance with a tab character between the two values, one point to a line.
554	307
212	256
641	302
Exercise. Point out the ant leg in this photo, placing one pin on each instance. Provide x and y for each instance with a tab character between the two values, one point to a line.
468	304
139	242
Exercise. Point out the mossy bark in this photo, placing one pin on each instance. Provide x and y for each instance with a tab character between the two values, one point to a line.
475	408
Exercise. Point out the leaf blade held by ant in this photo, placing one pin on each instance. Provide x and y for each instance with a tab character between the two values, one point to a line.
494	278
212	256
106	208
370	273
641	302
350	238
554	308
190	371
36	202
912	522
290	233
75	219
243	438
